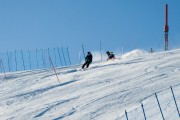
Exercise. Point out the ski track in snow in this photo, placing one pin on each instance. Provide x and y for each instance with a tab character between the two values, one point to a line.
101	92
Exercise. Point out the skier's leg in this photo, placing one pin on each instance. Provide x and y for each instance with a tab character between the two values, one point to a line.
84	64
87	65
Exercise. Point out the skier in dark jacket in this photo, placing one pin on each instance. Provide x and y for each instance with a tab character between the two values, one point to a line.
88	60
110	55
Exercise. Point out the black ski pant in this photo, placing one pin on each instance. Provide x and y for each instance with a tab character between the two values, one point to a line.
86	64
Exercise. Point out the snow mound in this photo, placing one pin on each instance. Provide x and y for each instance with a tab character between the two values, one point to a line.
134	53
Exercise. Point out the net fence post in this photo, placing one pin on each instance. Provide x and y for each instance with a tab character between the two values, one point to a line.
23	59
55	57
42	58
29	59
8	61
68	55
49	56
45	57
59	56
16	59
83	50
126	115
63	56
101	51
2	67
159	106
175	101
36	59
143	111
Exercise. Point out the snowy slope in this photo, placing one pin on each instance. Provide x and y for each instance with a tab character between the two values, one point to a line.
102	92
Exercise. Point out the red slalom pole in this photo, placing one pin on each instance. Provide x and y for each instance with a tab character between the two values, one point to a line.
166	29
54	68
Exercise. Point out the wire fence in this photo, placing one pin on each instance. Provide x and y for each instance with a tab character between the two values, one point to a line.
19	60
160	106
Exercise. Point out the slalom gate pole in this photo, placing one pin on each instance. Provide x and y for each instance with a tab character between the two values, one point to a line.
29	59
23	59
143	111
54	68
126	115
68	56
175	101
159	106
2	67
59	56
16	60
63	56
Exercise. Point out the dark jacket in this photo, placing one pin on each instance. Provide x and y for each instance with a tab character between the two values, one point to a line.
110	55
89	57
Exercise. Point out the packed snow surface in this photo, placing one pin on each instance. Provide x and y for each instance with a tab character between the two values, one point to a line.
102	92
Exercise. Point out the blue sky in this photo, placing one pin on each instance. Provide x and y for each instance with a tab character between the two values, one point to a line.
31	24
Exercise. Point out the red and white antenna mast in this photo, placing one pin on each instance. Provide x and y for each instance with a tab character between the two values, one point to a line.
166	28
